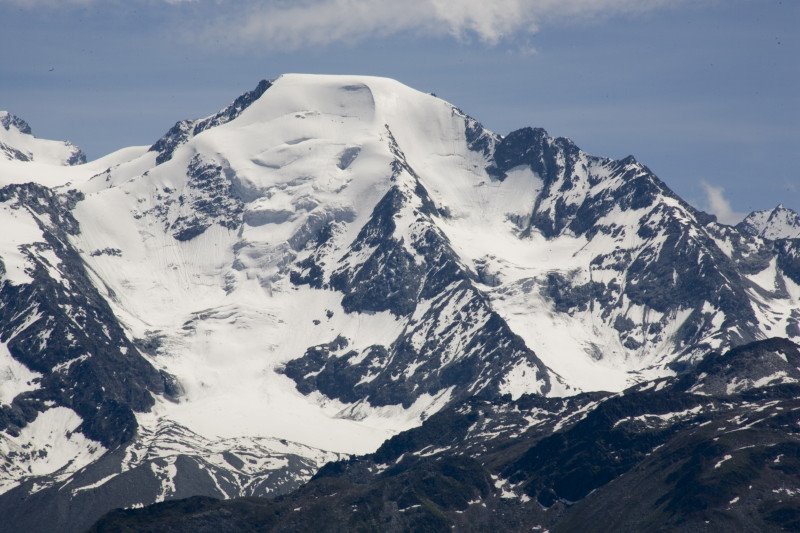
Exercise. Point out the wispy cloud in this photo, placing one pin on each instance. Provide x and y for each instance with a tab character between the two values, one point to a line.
319	22
304	23
66	4
30	4
718	204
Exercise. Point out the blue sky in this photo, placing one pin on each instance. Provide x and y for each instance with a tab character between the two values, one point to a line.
704	92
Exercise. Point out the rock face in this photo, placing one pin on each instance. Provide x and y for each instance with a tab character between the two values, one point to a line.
334	265
59	326
423	282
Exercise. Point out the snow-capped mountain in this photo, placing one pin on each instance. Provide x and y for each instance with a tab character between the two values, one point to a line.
778	223
327	262
17	143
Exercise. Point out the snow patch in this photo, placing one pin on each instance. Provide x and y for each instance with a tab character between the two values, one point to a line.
15	378
47	445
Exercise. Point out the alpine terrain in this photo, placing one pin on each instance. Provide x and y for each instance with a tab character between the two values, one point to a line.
340	303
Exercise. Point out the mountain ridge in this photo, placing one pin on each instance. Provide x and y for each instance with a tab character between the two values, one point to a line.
331	260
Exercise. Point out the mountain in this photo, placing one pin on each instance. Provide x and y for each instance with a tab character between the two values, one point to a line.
325	264
17	143
675	454
778	223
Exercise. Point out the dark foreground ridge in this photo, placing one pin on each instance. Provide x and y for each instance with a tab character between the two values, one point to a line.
716	448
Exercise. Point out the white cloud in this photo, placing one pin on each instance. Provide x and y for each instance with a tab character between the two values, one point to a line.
296	24
718	204
306	23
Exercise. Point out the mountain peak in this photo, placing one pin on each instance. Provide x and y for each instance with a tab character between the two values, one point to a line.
17	143
7	120
183	130
778	223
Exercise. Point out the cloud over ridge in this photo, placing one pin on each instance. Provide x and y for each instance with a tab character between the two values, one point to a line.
717	203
